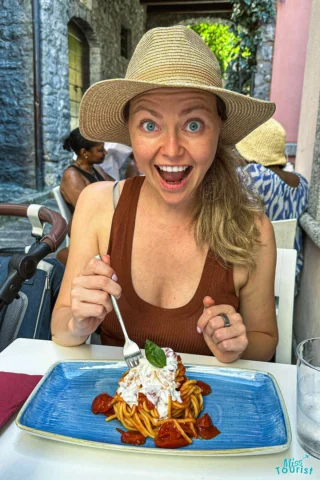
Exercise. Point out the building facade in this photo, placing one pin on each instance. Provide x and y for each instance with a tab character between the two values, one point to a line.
81	42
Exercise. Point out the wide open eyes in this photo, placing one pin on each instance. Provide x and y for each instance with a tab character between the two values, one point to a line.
191	126
194	126
148	126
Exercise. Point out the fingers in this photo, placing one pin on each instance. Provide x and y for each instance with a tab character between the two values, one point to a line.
98	267
226	343
222	333
97	282
90	293
208	302
212	313
94	297
106	259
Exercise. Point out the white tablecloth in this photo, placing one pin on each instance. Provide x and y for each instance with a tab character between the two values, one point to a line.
26	457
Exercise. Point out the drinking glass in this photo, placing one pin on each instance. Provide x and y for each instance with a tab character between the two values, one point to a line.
308	396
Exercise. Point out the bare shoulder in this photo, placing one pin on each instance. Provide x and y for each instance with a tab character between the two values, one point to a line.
265	228
95	197
71	178
70	174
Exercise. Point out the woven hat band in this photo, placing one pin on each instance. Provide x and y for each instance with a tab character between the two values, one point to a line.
187	76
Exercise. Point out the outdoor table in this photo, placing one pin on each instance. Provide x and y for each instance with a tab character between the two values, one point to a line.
27	456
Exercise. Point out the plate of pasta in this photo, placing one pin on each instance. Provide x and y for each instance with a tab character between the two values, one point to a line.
160	407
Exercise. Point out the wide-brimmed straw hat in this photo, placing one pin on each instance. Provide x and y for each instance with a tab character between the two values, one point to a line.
265	145
167	57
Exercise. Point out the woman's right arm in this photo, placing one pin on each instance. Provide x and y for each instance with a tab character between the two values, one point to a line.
84	299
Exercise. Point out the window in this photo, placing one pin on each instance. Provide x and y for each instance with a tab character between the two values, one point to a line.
78	70
125	42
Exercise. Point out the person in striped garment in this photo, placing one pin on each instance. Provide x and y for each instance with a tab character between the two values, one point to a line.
284	193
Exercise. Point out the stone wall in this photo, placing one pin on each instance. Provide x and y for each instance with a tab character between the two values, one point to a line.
167	20
101	24
262	79
16	92
307	305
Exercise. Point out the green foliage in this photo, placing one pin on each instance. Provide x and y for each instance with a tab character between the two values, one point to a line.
223	42
248	17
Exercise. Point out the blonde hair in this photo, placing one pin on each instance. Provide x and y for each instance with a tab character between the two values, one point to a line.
226	210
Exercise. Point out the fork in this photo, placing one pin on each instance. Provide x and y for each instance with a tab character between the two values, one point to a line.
131	351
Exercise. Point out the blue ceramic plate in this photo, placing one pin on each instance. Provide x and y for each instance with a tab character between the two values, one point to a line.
245	405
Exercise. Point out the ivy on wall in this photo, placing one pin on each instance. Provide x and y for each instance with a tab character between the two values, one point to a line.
248	16
224	43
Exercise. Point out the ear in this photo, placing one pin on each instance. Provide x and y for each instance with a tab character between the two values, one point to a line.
83	152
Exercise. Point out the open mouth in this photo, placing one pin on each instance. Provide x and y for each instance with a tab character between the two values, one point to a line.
175	174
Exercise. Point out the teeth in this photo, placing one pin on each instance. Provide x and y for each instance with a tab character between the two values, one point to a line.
175	168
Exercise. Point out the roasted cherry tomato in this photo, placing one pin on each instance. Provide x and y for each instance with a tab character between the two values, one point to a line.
102	404
205	428
205	388
132	438
187	429
169	437
141	398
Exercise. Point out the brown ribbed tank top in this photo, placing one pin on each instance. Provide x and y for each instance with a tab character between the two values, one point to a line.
177	327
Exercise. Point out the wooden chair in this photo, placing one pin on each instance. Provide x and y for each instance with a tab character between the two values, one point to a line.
284	293
285	231
63	207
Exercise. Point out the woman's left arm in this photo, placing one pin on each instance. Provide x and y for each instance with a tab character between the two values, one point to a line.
253	332
257	303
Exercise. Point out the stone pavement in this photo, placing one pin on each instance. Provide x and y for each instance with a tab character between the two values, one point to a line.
15	232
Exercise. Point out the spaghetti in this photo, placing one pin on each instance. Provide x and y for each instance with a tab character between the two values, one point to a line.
161	403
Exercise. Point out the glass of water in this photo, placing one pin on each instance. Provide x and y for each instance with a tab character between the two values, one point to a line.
308	396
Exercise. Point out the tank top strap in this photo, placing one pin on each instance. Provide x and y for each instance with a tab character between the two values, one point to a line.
124	219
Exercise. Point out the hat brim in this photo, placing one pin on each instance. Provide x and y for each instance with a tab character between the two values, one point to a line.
101	112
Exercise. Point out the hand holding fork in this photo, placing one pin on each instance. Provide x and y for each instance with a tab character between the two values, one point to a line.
131	351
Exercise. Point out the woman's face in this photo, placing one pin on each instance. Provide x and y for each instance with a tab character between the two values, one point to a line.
174	135
96	154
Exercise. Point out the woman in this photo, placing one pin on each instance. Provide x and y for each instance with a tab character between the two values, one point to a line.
82	172
284	194
188	253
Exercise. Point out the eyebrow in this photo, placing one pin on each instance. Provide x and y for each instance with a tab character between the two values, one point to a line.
185	111
140	108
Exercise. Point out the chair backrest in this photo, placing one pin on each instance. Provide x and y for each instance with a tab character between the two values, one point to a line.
63	207
284	293
285	231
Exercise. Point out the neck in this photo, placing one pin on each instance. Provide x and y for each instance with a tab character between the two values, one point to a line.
84	165
275	168
171	215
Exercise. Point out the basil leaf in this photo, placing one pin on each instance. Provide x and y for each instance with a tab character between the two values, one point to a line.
155	355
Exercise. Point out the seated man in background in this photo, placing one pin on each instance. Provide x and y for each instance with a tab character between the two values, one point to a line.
284	194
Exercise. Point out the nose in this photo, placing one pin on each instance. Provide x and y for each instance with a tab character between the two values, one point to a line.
105	152
171	144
